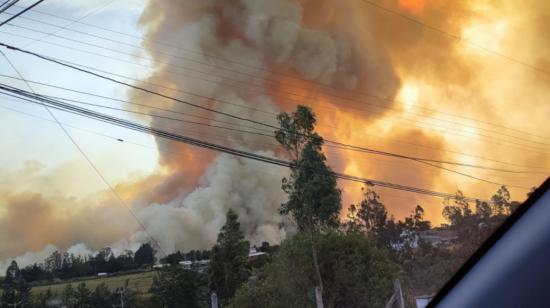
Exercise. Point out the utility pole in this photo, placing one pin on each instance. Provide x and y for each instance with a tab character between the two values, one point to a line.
319	297
121	291
214	300
397	296
398	293
15	304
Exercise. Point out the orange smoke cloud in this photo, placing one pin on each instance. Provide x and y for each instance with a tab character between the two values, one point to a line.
413	6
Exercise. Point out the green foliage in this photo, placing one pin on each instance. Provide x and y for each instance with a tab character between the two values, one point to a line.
145	255
177	287
355	272
313	196
125	261
102	296
83	296
296	130
228	259
501	202
15	290
372	212
69	296
43	298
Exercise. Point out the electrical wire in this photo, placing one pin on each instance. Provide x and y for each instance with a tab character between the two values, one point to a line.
7	5
381	109
87	158
62	63
207	118
216	57
180	138
455	37
20	13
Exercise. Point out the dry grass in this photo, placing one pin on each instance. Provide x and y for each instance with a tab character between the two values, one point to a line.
140	282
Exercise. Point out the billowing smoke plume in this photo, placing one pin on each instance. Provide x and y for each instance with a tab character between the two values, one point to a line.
230	182
349	61
237	55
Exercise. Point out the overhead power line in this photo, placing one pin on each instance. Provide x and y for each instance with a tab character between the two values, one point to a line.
266	131
247	65
477	137
535	171
20	13
341	146
367	104
87	158
60	62
5	5
455	37
427	162
200	143
108	2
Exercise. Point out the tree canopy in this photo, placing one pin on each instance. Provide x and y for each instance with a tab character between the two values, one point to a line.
145	255
356	272
314	200
228	259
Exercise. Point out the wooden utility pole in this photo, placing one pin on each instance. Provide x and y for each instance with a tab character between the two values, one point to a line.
214	300
398	293
121	292
319	297
397	296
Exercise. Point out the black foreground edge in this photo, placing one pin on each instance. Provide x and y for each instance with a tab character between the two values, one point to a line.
512	267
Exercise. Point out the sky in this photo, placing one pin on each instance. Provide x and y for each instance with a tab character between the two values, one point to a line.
468	84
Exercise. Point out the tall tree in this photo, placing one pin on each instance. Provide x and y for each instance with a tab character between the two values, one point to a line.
501	202
458	212
69	296
102	296
228	259
83	296
372	212
15	290
313	196
314	200
358	273
178	287
125	260
145	255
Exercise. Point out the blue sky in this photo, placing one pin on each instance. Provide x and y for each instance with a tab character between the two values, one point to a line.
41	140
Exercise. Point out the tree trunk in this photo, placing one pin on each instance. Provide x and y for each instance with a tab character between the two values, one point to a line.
317	270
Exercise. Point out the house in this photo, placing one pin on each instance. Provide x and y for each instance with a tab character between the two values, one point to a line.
253	253
197	265
422	301
186	264
438	237
202	265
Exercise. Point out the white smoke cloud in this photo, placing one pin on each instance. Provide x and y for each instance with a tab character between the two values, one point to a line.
251	35
37	257
248	187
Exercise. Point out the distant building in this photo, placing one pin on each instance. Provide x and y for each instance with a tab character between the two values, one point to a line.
186	264
199	266
438	237
407	238
253	253
423	301
202	265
